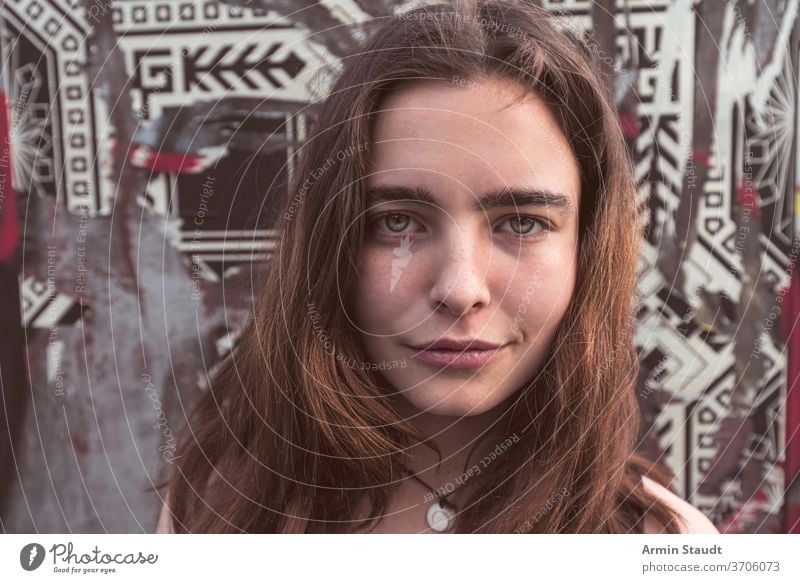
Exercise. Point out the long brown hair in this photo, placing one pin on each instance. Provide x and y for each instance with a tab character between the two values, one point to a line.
288	438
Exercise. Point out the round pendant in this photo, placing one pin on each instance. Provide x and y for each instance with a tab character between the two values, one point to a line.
440	516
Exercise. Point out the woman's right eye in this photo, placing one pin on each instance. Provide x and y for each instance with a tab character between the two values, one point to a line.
394	223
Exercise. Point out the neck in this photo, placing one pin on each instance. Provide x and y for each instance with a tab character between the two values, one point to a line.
462	441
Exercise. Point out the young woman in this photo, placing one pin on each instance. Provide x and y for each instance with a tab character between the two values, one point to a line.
443	341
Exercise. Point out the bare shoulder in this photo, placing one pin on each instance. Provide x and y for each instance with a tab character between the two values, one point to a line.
165	519
693	521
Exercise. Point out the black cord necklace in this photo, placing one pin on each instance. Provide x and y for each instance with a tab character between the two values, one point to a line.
441	515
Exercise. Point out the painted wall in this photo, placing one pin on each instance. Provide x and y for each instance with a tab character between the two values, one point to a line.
146	153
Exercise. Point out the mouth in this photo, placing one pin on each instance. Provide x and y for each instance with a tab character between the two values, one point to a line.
473	355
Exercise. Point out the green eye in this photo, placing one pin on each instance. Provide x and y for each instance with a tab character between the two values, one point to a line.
396	222
523	226
518	225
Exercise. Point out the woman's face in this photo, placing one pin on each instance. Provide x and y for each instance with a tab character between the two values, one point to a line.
447	256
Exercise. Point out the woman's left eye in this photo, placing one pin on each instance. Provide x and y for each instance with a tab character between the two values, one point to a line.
523	226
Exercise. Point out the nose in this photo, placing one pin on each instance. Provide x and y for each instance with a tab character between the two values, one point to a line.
460	284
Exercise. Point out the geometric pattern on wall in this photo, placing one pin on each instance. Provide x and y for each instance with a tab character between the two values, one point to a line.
687	351
210	80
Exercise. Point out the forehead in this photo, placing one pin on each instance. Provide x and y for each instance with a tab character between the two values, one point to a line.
471	136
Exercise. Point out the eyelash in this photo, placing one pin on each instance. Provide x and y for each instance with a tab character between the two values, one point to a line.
546	226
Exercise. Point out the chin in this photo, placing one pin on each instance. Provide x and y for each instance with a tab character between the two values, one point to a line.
453	404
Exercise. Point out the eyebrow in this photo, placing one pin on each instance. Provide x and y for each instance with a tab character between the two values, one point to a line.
506	197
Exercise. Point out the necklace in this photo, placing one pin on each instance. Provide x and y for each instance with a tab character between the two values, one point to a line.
441	514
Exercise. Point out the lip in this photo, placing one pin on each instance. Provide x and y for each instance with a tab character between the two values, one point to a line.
469	355
453	344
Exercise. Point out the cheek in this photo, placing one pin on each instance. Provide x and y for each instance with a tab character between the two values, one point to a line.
539	292
381	294
368	296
